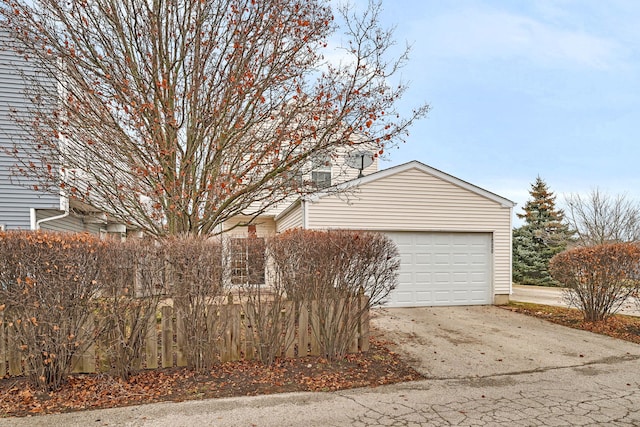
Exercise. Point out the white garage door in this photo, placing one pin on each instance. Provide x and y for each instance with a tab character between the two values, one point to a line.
438	268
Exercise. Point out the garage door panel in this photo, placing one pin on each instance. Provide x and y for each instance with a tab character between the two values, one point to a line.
422	296
423	259
460	278
438	268
422	278
403	298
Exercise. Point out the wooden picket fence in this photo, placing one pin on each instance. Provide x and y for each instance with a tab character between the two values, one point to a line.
165	343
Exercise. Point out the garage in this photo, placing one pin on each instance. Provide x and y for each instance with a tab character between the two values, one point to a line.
442	269
454	238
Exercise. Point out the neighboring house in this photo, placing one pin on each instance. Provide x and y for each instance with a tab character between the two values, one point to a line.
21	206
454	238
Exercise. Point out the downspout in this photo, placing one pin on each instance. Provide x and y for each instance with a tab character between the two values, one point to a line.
305	214
53	218
64	201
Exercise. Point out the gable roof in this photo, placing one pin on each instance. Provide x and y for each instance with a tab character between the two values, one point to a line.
414	164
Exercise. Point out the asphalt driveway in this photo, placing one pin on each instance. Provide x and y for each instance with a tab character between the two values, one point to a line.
484	366
485	341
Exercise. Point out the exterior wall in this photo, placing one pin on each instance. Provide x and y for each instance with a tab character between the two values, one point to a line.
16	195
340	173
265	226
292	219
413	200
71	223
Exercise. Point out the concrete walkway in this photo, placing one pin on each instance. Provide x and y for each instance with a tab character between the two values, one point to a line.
554	296
486	366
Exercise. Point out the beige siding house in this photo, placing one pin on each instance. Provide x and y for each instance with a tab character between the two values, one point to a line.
454	238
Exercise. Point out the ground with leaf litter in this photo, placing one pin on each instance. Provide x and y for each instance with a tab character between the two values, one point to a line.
376	367
618	326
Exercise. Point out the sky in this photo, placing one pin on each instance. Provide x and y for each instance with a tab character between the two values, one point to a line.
523	88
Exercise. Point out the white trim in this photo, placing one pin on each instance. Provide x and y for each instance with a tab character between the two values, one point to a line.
511	253
32	218
288	209
2	227
305	214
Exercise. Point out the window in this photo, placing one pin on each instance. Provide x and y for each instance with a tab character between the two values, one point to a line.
247	261
321	179
321	175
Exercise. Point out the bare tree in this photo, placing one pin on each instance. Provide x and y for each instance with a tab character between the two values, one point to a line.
600	218
176	115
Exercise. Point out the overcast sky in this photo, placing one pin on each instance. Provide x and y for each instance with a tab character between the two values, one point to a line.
524	88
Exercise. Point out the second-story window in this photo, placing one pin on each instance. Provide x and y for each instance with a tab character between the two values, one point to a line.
321	174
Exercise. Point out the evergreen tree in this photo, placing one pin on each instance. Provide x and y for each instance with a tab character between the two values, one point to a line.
544	234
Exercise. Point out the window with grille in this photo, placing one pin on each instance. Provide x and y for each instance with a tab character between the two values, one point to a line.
247	261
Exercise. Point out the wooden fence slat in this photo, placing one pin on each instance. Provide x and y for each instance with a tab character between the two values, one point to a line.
137	360
363	339
315	329
223	321
89	356
85	362
181	340
214	329
167	337
13	355
234	328
89	360
151	344
3	347
249	343
303	330
290	329
352	310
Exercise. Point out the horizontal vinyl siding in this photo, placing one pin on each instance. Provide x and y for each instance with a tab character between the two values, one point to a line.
16	193
341	172
71	223
292	219
265	226
416	201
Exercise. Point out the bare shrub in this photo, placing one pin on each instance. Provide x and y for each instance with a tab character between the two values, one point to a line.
335	268
48	283
267	310
133	272
194	283
599	278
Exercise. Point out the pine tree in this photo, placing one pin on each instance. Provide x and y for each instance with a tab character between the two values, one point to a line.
544	234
